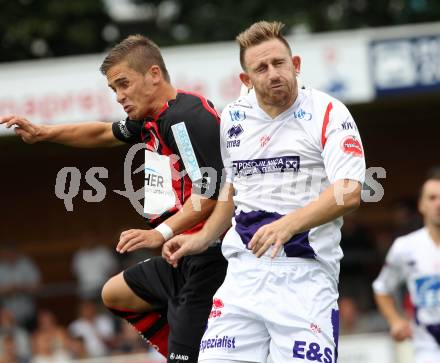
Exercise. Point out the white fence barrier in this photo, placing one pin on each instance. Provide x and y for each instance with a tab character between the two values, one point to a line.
373	348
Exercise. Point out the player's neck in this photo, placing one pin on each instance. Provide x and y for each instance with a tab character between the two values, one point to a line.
166	93
273	110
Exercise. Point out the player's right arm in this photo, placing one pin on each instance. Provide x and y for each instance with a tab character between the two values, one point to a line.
386	284
218	222
400	327
85	135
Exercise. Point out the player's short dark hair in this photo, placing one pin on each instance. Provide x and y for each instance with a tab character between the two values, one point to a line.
433	173
139	52
258	33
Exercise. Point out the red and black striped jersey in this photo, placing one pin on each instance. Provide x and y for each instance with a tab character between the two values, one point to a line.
198	116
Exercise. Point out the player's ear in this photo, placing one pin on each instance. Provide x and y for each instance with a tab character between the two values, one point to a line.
421	202
296	60
155	73
244	77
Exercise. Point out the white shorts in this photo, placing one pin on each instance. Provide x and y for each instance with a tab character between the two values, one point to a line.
285	306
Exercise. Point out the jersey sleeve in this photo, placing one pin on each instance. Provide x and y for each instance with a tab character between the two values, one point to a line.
342	149
128	131
195	138
392	274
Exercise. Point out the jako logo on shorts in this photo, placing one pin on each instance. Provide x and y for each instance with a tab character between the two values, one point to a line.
178	357
222	342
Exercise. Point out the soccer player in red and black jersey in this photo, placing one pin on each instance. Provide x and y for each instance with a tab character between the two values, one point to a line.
169	307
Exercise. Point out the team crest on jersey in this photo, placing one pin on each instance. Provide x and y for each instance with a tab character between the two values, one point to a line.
352	145
264	140
303	115
237	115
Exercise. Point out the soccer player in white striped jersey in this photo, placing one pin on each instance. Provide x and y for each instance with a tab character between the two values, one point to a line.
414	259
294	166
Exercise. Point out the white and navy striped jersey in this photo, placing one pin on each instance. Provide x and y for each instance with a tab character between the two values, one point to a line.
279	165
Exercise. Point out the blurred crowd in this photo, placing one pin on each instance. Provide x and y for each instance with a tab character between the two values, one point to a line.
365	250
31	333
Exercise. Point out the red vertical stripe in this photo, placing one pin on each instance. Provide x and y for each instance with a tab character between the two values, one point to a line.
161	111
325	123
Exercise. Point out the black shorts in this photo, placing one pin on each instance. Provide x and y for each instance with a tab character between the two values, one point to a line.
185	293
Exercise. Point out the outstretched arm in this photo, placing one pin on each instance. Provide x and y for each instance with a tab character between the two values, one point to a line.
218	222
85	135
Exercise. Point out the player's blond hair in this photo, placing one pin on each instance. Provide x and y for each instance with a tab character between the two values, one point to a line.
258	33
139	52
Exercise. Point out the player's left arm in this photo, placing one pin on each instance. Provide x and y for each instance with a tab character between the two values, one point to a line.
344	164
195	209
338	199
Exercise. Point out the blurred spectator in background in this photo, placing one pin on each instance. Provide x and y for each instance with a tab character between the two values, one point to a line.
402	218
97	330
415	260
49	340
14	340
359	265
78	348
348	315
19	280
9	351
92	265
405	217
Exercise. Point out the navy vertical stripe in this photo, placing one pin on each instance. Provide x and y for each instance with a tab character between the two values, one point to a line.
247	225
335	325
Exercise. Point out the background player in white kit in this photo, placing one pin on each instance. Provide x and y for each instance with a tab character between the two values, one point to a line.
295	163
414	259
